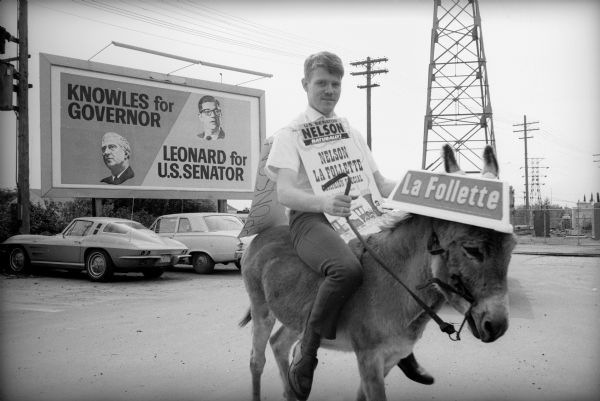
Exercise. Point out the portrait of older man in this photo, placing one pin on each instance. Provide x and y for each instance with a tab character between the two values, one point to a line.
210	115
116	154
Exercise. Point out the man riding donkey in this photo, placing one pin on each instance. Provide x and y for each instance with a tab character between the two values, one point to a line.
314	239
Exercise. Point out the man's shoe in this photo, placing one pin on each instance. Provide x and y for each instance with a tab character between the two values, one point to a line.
414	371
300	373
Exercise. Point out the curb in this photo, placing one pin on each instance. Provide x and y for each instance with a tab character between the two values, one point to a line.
594	255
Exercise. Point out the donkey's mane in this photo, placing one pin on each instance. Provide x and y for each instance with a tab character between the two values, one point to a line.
401	235
391	220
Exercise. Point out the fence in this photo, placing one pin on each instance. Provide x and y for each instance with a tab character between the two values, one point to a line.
581	221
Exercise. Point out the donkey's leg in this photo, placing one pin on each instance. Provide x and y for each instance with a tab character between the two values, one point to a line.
262	325
389	363
281	343
360	395
372	370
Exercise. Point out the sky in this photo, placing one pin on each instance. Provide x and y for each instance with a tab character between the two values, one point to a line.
543	59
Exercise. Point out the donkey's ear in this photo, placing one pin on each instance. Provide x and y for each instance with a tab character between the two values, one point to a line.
450	164
490	164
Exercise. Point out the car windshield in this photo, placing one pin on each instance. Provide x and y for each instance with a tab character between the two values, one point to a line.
166	225
223	223
79	228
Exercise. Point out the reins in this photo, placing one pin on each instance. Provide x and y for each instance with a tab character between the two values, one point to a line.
435	250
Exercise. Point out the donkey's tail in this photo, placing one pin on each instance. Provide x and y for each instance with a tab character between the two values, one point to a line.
246	319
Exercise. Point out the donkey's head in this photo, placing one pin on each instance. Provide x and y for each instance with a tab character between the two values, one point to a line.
475	261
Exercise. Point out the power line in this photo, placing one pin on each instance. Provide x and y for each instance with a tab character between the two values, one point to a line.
285	36
225	29
213	23
176	27
154	35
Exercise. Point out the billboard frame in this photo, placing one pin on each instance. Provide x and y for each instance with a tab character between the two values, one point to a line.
48	62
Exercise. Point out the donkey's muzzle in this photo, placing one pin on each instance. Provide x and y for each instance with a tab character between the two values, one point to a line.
489	328
493	329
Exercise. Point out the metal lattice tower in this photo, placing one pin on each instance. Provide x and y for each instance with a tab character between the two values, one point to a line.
458	111
535	191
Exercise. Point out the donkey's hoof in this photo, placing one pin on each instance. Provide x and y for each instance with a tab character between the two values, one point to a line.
300	374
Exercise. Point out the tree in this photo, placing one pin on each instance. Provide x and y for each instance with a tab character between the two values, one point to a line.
8	213
146	211
52	217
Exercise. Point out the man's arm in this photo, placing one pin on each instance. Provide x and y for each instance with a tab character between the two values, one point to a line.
384	185
297	199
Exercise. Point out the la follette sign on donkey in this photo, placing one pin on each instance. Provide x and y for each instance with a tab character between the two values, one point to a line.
454	245
479	201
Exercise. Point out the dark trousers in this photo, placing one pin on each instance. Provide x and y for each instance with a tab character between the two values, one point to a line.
322	248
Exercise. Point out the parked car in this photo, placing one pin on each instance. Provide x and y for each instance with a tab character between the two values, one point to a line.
99	245
211	237
523	229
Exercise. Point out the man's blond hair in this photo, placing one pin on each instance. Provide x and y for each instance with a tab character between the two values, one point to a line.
331	62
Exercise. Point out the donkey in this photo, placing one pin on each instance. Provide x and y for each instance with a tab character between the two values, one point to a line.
381	322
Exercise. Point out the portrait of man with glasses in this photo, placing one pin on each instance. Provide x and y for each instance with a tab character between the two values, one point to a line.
209	112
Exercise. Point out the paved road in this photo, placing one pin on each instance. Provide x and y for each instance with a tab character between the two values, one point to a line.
176	338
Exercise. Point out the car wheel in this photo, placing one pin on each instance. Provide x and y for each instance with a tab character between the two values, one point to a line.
202	263
99	266
18	260
153	273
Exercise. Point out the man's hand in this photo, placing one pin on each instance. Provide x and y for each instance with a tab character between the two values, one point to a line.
295	198
336	205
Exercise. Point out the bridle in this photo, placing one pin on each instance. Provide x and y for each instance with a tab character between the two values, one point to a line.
434	248
459	288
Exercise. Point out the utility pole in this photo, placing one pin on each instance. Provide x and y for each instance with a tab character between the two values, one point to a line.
369	71
7	87
23	121
525	126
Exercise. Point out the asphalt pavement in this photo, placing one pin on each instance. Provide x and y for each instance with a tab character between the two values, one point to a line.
63	338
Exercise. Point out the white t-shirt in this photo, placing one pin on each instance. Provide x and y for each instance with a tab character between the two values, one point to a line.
284	151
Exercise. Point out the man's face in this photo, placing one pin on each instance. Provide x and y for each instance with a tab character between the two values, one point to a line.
210	117
113	154
323	90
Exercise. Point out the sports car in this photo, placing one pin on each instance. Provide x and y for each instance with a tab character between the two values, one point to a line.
99	245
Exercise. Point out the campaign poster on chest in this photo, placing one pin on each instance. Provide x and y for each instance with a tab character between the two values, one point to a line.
329	148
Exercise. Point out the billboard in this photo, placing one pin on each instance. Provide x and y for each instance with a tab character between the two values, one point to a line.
114	132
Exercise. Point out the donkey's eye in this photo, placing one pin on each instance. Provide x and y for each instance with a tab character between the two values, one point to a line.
473	252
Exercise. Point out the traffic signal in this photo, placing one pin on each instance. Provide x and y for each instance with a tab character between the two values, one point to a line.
4	36
7	74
